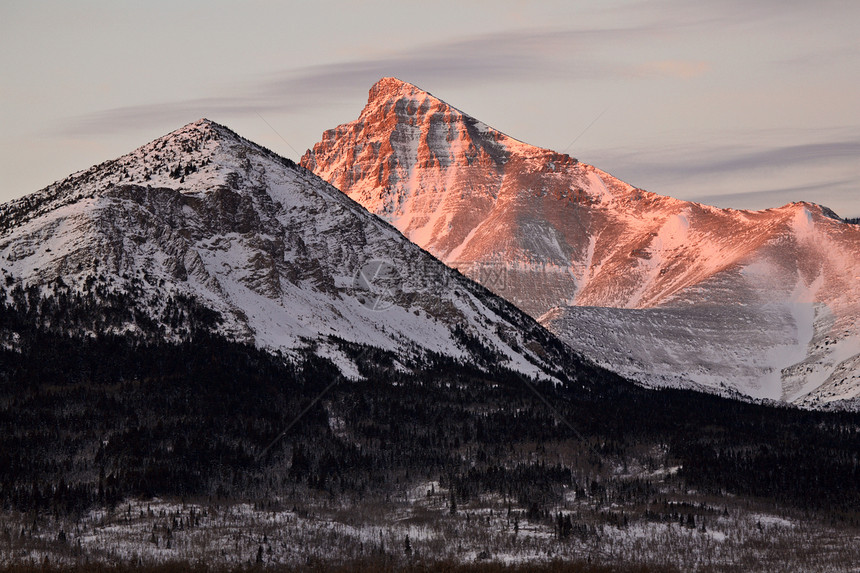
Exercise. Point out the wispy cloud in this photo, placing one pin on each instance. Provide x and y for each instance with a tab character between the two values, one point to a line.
489	59
778	196
694	161
732	11
543	54
754	175
123	119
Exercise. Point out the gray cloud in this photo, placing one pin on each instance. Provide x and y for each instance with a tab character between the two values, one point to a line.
702	160
823	171
516	55
730	11
123	119
534	54
546	55
780	195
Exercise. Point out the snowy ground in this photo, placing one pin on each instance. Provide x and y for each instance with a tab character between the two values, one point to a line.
782	352
728	535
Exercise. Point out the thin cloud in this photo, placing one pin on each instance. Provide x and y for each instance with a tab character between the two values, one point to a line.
123	119
809	153
821	57
697	161
487	59
779	195
748	177
743	11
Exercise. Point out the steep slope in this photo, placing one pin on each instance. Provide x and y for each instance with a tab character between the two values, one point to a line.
554	235
285	259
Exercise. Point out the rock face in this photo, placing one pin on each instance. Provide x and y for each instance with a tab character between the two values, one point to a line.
287	260
762	302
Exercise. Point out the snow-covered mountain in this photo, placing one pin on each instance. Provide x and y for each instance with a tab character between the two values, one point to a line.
287	260
666	291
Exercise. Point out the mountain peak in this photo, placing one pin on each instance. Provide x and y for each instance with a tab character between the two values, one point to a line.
202	126
391	87
204	214
198	158
546	231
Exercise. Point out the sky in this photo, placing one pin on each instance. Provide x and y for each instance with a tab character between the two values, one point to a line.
732	103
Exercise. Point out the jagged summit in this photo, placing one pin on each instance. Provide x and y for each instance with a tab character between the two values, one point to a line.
392	88
205	122
426	166
197	158
189	136
554	235
389	92
202	128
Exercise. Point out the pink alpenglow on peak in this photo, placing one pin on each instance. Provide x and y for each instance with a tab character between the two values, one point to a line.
558	237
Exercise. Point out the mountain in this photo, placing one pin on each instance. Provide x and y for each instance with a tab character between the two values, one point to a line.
665	291
175	327
284	260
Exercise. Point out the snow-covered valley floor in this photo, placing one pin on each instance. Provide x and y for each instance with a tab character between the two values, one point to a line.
679	530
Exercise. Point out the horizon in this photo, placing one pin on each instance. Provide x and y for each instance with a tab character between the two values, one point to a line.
748	107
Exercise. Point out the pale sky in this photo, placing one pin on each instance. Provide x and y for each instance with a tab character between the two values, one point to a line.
744	104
